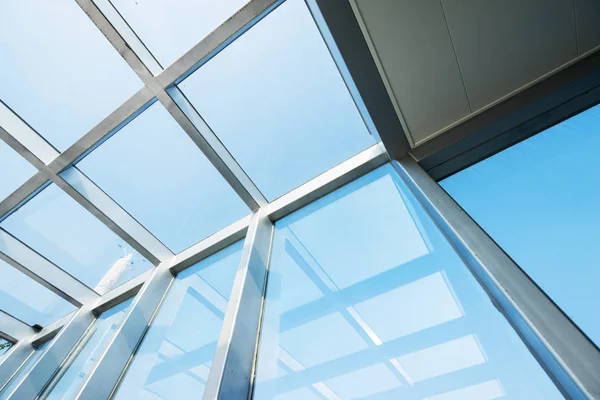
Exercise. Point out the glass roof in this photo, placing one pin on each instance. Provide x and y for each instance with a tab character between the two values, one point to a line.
54	225
14	170
154	170
61	78
169	28
16	299
273	97
277	101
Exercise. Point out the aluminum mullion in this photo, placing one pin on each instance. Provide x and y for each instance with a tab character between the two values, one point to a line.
190	122
112	215
22	194
49	362
569	357
203	136
218	39
13	329
231	370
336	177
104	375
13	360
28	261
114	37
132	107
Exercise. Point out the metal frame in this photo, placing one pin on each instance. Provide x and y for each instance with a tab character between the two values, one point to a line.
562	349
569	357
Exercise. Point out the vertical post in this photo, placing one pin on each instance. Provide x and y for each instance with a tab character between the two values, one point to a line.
232	367
43	370
568	356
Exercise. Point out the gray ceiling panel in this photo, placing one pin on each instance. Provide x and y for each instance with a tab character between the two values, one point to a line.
413	45
588	24
503	45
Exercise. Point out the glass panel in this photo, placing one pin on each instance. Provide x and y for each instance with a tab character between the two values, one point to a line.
59	73
277	91
185	199
27	300
366	298
54	225
14	170
5	345
539	201
71	378
169	28
24	370
175	356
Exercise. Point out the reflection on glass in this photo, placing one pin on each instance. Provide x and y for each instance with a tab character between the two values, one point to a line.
5	345
366	299
276	91
157	174
169	28
58	228
70	379
23	370
539	201
14	170
59	73
174	358
27	300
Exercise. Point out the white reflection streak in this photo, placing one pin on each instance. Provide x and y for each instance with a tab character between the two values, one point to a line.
289	361
378	342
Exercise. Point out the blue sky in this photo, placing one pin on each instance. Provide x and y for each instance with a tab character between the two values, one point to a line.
539	201
274	97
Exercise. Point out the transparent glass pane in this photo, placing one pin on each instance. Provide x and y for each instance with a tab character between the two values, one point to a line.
70	379
157	174
5	345
54	225
539	201
59	73
14	170
23	370
27	300
277	101
169	28
366	298
175	356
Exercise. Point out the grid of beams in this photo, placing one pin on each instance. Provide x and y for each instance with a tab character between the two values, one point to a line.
150	287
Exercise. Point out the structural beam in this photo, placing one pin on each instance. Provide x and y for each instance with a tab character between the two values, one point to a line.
42	371
13	329
568	356
343	36
231	370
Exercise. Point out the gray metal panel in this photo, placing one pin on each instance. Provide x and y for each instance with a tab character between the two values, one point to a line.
567	354
12	361
45	367
413	45
516	118
503	45
360	71
587	14
231	371
13	329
